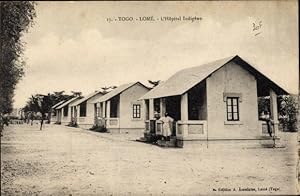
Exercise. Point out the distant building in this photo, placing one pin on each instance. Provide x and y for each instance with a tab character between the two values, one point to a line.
120	110
63	114
82	110
54	117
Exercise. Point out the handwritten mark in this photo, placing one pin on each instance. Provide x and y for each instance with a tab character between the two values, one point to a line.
257	34
257	27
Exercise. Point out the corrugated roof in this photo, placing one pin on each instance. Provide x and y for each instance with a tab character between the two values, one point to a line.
76	102
85	98
67	102
185	79
114	92
53	107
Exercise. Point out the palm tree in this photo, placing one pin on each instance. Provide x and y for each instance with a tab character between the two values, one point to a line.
154	83
76	93
106	89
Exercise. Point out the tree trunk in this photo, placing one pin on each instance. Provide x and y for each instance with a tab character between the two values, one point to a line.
298	116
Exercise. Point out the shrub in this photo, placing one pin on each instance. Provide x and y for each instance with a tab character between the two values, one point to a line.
98	128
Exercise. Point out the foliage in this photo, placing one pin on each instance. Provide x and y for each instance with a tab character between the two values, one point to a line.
38	104
106	89
3	121
15	17
43	103
76	93
288	112
154	83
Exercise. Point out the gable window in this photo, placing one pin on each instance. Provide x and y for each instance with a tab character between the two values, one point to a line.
232	104
82	110
136	111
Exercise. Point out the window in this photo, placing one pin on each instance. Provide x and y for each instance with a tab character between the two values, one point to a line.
82	110
136	111
232	104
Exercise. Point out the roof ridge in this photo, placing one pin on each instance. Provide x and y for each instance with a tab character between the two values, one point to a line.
183	80
209	62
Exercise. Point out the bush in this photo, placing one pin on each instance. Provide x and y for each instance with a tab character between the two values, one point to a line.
98	128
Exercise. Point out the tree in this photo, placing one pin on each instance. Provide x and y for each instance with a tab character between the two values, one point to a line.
43	103
107	89
39	104
298	116
76	93
15	18
288	112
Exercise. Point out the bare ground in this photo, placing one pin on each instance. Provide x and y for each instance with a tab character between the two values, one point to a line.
67	161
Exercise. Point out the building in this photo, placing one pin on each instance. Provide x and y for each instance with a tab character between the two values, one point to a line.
215	101
54	116
120	110
83	110
63	111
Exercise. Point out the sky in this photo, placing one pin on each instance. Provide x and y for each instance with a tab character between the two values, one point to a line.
73	47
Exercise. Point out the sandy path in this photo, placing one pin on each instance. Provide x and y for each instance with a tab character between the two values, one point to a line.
69	161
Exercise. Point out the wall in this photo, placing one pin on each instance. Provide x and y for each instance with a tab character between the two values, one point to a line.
88	120
232	78
58	116
127	98
53	117
65	119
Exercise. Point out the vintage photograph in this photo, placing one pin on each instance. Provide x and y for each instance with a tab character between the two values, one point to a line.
149	98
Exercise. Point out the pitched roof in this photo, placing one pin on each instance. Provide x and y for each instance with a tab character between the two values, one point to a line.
76	102
56	105
185	79
86	98
116	91
67	102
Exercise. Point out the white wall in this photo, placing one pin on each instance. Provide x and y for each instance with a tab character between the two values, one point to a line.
127	99
232	78
66	119
58	116
90	112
